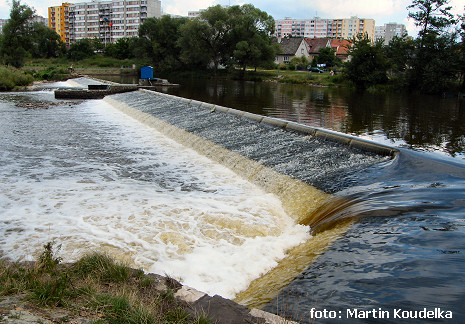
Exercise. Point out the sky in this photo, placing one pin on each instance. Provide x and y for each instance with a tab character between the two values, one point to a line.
383	11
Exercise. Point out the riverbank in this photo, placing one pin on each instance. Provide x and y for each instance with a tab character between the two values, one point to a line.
99	65
97	289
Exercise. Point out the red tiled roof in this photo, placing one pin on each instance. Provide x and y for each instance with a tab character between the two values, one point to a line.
341	46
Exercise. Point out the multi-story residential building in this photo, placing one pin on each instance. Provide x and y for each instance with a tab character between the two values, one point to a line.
320	28
58	20
389	31
352	27
108	20
310	28
36	18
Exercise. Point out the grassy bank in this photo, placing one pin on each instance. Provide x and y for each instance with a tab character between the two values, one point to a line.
304	77
96	286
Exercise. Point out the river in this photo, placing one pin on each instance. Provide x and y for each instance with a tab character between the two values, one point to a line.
89	177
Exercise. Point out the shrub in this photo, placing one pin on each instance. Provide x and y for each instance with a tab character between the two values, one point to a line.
12	78
52	74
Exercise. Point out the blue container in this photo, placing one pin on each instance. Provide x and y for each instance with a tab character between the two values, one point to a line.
146	72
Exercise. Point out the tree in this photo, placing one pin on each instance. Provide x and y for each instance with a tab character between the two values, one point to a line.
160	37
16	34
400	53
369	64
461	51
251	34
208	36
123	48
199	47
431	16
434	62
45	42
327	55
81	49
237	35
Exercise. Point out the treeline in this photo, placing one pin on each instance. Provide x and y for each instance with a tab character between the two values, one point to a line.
434	62
240	37
237	36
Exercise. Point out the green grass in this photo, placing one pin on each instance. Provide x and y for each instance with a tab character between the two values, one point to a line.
301	77
106	290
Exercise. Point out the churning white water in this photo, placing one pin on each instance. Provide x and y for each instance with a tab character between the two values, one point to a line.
91	178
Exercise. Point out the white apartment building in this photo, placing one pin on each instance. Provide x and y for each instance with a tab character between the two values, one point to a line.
321	28
389	31
110	20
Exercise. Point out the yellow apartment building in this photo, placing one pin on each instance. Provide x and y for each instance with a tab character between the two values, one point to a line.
58	20
352	27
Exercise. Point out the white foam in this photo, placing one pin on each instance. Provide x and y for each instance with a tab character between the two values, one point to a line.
123	188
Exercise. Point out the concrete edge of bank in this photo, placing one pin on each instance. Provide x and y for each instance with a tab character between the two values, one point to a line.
344	139
223	310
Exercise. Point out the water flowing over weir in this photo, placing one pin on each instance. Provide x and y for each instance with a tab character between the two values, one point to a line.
104	181
302	170
410	258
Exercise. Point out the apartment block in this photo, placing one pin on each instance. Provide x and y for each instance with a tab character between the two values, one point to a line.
36	18
107	20
389	31
58	20
311	28
320	28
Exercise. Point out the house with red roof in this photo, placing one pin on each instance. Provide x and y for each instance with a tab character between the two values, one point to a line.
341	47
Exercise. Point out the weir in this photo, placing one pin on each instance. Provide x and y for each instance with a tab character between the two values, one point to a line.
303	166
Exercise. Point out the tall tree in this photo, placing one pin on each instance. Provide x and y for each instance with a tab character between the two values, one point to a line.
208	38
461	51
251	34
237	35
161	46
434	61
432	16
16	34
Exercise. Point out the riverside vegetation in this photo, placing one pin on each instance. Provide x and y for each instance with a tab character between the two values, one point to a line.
234	39
95	287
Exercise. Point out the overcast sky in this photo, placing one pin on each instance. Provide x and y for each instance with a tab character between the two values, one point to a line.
383	11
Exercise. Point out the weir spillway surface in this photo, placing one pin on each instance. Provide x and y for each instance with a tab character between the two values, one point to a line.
323	164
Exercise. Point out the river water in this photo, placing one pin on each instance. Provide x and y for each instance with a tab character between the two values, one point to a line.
91	177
